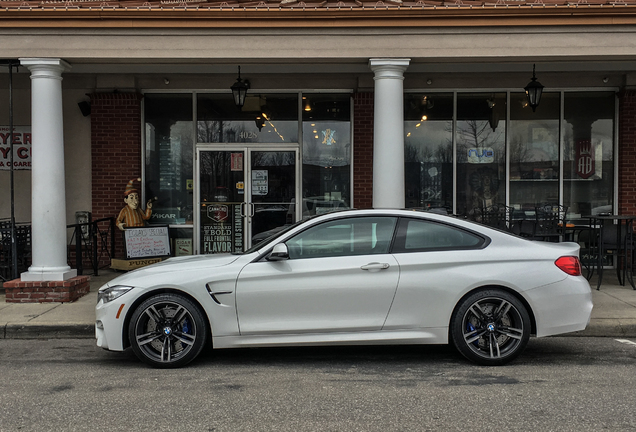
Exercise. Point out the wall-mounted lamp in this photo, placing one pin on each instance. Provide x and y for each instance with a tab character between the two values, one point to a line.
534	89
239	90
85	108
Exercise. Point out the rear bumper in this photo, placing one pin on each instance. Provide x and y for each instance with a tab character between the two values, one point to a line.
562	307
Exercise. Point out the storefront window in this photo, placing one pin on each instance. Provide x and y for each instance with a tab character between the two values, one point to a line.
534	153
265	118
326	152
588	153
168	158
428	151
481	151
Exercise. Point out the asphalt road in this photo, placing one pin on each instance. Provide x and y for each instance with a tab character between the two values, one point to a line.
559	384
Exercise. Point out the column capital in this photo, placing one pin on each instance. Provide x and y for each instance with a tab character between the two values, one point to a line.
388	67
45	67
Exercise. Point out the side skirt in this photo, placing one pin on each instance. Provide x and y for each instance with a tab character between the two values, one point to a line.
438	335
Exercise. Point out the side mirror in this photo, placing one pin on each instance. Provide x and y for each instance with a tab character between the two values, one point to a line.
279	253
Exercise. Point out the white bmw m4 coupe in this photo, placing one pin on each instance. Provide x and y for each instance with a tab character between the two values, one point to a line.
353	277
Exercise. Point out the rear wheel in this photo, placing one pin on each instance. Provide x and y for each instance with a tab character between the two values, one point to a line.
167	330
490	327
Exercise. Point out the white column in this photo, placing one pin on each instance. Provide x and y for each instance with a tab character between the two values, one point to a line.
388	132
48	194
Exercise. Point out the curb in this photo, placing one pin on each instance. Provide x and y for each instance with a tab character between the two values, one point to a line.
43	331
608	327
599	327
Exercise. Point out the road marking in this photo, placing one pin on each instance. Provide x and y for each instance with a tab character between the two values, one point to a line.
625	341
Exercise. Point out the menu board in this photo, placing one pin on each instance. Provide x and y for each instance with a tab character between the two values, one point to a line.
144	242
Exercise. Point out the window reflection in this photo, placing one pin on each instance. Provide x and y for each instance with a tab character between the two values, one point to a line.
265	118
428	151
326	152
169	147
481	151
534	153
588	153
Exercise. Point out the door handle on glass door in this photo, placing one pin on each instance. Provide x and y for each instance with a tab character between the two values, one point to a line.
375	266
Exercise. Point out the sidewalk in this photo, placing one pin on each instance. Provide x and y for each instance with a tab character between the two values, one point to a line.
614	313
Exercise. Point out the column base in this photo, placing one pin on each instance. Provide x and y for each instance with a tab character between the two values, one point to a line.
19	291
55	275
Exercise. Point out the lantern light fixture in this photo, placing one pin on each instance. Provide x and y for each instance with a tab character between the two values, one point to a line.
534	89
239	90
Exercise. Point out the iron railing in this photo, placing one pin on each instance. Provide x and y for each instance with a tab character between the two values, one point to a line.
92	242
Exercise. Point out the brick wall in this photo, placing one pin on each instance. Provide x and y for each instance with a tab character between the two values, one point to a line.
363	150
116	152
627	152
46	291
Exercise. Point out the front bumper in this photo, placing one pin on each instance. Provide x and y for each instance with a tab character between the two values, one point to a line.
109	322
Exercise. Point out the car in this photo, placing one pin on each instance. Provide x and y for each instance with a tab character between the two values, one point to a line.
359	277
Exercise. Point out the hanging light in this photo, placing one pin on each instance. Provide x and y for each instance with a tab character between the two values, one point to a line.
239	90
260	122
534	89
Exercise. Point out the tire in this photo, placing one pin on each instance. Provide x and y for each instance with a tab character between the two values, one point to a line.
167	331
490	327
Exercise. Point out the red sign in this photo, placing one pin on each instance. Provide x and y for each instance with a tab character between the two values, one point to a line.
237	162
21	147
585	163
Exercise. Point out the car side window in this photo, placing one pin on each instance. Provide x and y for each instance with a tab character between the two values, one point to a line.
419	235
344	237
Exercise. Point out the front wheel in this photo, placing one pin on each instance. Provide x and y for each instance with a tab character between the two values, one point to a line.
490	327
167	331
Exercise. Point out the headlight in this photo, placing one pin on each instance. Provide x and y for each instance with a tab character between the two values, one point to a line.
111	293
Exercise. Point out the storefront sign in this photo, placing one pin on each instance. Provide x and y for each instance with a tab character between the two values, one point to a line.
481	155
21	148
183	246
218	213
221	229
329	136
585	162
260	182
236	162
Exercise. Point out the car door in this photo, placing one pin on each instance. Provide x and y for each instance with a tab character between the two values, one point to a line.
339	278
438	261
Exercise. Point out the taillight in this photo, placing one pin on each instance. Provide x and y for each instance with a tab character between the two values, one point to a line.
569	264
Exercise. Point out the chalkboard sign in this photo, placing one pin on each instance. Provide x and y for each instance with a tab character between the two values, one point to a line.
146	242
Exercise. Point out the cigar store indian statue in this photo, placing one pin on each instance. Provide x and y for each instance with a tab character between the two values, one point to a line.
132	216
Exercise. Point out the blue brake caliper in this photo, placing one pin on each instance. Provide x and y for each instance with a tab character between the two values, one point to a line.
470	328
186	326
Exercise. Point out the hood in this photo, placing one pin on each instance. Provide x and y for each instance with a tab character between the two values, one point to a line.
184	263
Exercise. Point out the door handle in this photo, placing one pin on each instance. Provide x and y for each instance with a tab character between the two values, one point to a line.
243	209
251	209
375	266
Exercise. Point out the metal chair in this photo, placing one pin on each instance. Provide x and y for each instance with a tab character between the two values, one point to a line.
497	216
550	222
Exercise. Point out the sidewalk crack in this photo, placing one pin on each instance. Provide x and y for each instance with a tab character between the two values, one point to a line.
43	313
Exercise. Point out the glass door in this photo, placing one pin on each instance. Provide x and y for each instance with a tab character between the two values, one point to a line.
244	196
272	204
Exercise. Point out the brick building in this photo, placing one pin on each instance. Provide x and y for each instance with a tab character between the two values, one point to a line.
351	104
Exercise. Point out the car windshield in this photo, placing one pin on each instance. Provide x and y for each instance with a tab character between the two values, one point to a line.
269	239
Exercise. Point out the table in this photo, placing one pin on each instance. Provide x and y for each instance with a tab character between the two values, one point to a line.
624	244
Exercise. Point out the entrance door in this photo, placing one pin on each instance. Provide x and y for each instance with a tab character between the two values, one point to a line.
244	195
